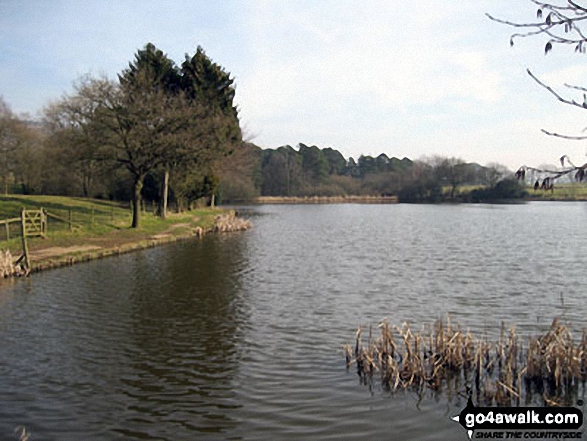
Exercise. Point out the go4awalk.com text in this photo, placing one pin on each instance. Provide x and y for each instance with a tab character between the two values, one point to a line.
520	422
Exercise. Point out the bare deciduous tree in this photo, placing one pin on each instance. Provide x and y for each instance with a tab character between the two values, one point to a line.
19	142
562	23
8	140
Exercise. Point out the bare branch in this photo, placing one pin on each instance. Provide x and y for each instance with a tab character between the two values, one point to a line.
558	135
570	86
559	97
576	6
563	157
561	24
552	7
524	25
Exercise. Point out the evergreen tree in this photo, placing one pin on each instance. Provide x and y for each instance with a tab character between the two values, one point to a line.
207	84
314	164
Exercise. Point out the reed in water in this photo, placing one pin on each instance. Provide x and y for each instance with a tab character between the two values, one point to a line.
506	372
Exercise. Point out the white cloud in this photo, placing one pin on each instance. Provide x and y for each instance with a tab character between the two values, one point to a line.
381	60
406	78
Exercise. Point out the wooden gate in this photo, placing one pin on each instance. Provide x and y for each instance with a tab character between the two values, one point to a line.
34	223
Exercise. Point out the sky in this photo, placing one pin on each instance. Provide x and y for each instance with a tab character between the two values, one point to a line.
408	79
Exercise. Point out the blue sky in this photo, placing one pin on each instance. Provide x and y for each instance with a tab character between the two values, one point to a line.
403	78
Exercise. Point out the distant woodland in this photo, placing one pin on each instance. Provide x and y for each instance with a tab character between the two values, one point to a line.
170	135
312	171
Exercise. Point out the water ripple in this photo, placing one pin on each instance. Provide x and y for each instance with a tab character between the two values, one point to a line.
240	336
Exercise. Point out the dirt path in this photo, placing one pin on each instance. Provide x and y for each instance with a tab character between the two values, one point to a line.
123	241
59	251
170	230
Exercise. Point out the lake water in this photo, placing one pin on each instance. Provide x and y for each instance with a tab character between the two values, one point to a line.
240	336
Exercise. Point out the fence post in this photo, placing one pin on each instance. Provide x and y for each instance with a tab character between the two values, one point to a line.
70	220
43	222
25	247
7	225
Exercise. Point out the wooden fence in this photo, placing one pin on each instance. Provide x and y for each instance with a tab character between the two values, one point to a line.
34	223
37	223
6	228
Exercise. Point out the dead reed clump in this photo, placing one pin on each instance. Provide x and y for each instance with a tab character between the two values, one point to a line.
229	223
7	266
555	364
443	356
22	433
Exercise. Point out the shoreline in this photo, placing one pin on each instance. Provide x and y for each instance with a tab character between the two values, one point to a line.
97	247
325	200
43	259
300	200
72	258
556	199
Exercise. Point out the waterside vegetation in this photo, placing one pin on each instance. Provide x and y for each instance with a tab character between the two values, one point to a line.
550	368
308	171
91	229
561	192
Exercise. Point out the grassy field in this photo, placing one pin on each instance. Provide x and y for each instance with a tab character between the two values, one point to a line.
561	192
99	227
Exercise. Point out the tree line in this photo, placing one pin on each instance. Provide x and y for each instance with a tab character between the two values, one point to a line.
63	160
312	171
165	132
158	125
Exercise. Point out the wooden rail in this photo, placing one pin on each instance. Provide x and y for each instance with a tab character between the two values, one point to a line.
62	219
34	223
7	223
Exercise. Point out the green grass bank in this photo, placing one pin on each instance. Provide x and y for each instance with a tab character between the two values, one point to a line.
93	229
560	192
